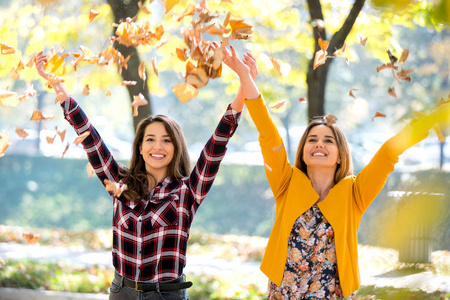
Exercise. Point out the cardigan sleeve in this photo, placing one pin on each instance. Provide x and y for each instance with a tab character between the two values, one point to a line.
276	164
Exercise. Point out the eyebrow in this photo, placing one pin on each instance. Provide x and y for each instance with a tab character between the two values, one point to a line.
327	136
150	134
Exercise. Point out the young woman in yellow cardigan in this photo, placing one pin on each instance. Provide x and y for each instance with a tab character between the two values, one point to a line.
312	250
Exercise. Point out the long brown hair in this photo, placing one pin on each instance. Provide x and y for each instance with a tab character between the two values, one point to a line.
136	175
345	168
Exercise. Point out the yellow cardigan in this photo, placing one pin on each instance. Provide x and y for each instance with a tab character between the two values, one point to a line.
343	207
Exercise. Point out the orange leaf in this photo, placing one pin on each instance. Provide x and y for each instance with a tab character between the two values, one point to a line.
391	92
5	49
81	137
55	64
31	61
92	15
323	44
138	101
154	65
302	99
320	58
404	56
21	133
351	92
330	119
276	66
239	30
90	170
31	238
362	40
108	93
4	142
125	82
184	92
141	72
65	150
115	187
378	114
278	104
37	116
8	98
169	4
50	140
62	134
85	90
181	54
15	71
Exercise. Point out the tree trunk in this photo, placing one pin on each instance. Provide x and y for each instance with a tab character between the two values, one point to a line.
316	79
123	9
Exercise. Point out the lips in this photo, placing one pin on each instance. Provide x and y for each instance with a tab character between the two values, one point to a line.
318	154
157	156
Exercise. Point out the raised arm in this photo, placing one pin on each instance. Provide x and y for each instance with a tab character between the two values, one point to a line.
372	177
104	164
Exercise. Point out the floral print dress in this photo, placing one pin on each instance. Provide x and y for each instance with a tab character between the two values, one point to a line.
311	269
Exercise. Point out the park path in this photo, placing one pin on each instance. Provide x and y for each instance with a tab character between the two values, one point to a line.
199	264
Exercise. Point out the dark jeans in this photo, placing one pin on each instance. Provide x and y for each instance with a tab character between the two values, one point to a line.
118	291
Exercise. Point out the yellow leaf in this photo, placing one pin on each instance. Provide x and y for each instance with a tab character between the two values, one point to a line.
185	92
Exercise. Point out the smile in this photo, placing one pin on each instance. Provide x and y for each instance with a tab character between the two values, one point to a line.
320	154
157	156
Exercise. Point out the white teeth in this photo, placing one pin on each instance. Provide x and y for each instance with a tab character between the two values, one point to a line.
318	154
158	155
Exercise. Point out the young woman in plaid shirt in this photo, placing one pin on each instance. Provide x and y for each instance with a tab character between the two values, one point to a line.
153	214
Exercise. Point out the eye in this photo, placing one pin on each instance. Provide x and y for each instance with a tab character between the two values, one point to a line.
312	140
149	139
167	141
329	141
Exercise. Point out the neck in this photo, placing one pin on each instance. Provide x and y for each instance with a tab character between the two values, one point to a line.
322	180
155	178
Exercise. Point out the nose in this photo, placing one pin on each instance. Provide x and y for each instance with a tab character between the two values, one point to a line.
319	144
157	145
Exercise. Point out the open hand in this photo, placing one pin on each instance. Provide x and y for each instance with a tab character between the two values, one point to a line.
41	59
241	67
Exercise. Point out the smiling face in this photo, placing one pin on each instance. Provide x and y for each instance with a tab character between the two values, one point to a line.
157	150
320	148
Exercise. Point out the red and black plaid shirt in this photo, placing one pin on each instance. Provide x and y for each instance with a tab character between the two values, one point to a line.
150	237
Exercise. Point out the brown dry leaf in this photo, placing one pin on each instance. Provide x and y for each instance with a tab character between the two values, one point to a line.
115	187
340	52
108	93
85	90
378	115
197	76
276	66
387	66
92	15
5	49
189	11
126	82
154	65
320	58
403	75
362	40
130	33
404	56
184	92
330	119
50	140
302	99
138	101
218	29
8	98
391	92
62	135
351	92
141	72
278	104
90	170
145	10
65	150
181	54
21	133
15	72
81	137
38	115
31	238
392	57
4	142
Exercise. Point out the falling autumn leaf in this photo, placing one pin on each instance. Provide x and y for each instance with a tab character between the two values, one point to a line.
138	101
141	72
169	4
85	90
320	58
323	44
351	92
340	52
108	93
4	142
126	82
240	30
181	54
15	72
391	92
302	99
404	56
5	49
31	62
278	104
115	188
62	135
81	137
8	98
276	66
154	65
330	119
65	150
38	116
55	63
92	15
362	40
21	133
184	92
31	238
377	115
90	170
50	140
